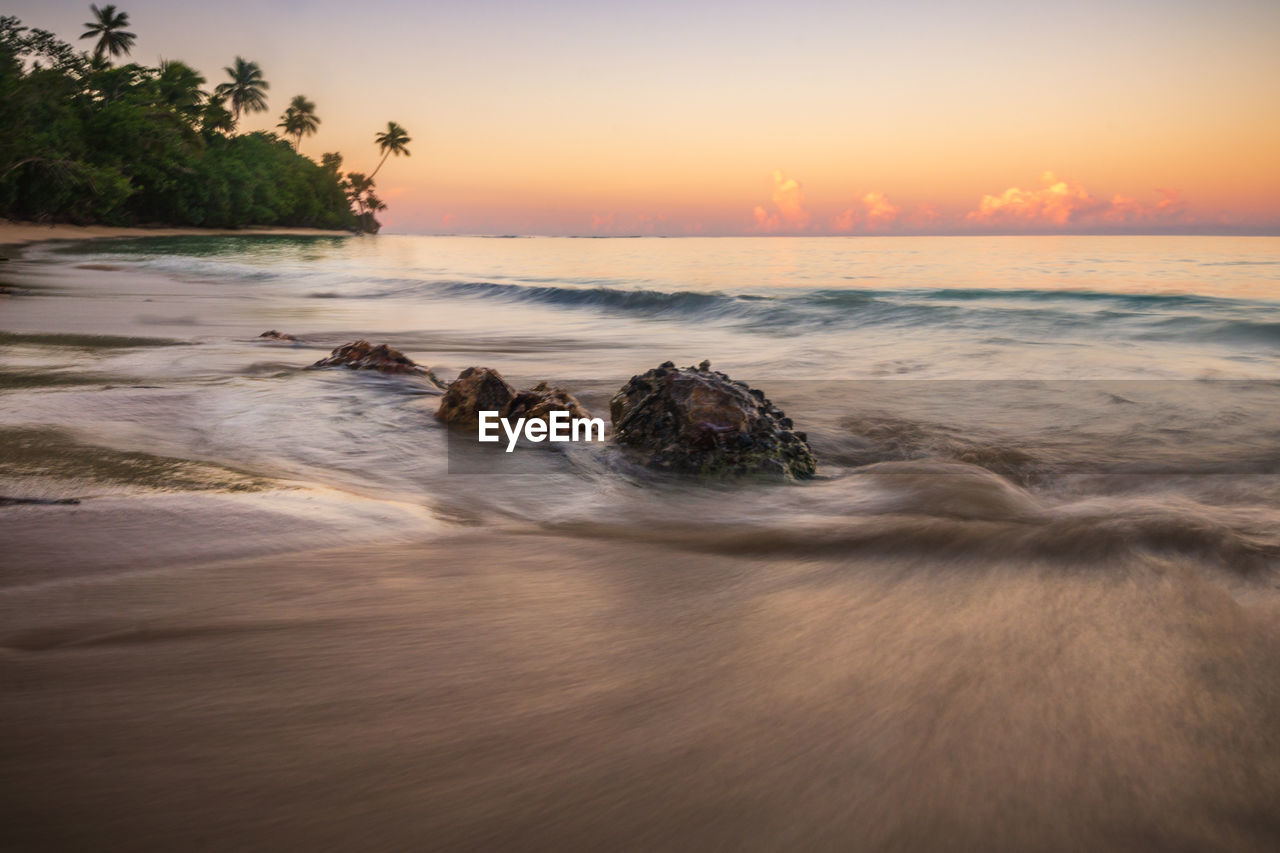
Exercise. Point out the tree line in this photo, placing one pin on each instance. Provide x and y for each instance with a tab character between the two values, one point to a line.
85	141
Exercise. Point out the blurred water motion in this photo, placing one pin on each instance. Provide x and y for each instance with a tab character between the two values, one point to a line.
1029	602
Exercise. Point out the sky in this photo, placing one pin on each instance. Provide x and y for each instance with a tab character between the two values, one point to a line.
744	117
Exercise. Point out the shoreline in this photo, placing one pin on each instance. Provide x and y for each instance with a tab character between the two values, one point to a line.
20	234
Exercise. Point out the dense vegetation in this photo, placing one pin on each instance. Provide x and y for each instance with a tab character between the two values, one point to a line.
84	141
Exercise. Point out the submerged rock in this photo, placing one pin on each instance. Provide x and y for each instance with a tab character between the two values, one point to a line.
540	401
273	335
362	355
698	420
482	389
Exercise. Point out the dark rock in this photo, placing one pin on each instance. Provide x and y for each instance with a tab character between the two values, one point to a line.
482	389
540	401
698	420
273	335
362	355
477	389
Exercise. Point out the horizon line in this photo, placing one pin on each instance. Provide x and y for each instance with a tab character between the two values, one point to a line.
1274	231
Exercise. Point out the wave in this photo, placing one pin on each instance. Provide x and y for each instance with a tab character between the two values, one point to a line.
1016	314
1151	315
927	509
632	301
1238	332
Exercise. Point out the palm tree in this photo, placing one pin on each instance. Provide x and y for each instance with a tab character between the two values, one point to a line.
394	141
247	90
357	185
216	118
108	29
113	84
299	119
178	87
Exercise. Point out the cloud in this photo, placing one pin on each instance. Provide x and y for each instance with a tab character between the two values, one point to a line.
845	220
650	223
923	216
1064	203
602	222
789	212
880	211
873	212
447	220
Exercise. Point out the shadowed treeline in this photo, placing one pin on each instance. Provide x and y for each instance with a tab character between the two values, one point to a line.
85	141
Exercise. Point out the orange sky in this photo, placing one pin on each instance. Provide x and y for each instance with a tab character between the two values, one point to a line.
746	117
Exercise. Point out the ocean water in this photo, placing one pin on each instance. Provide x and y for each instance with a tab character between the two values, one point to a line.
943	307
1037	368
1029	601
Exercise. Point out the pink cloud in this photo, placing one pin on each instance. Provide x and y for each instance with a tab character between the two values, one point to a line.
880	211
789	212
874	212
923	216
1064	203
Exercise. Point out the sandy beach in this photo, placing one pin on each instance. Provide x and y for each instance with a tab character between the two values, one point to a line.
19	233
545	695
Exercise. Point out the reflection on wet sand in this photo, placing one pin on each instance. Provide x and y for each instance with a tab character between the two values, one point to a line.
489	692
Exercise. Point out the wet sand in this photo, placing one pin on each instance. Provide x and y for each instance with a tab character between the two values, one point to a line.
19	233
520	692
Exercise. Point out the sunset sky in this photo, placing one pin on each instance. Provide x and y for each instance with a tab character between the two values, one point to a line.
743	117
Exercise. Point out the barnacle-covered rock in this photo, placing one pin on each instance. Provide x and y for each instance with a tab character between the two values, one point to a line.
540	401
698	420
482	389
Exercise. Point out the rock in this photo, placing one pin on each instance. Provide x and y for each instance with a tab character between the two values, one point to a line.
475	390
362	355
698	420
273	335
540	401
482	389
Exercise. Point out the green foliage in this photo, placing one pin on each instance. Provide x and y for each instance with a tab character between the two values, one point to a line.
82	141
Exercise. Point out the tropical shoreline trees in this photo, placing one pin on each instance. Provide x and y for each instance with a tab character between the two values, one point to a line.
84	141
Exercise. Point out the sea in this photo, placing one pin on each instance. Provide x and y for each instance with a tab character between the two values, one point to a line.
1027	365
